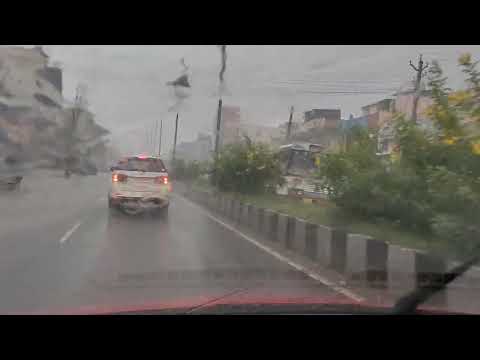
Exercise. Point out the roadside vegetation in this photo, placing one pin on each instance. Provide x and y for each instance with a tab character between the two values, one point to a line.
188	171
246	168
431	184
425	195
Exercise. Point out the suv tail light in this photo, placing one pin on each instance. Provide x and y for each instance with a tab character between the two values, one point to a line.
119	178
161	180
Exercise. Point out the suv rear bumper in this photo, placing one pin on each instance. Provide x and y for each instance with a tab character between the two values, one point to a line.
144	203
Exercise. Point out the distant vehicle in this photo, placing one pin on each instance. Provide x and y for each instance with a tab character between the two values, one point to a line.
11	182
140	184
299	162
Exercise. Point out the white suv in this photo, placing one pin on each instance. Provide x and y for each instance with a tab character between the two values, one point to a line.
139	184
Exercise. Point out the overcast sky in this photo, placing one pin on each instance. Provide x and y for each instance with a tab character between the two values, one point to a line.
127	84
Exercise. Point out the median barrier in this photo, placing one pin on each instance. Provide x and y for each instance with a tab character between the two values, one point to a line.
431	269
401	269
223	205
237	208
324	244
311	241
259	219
230	208
252	211
204	197
298	243
282	229
338	250
210	202
359	257
244	215
218	204
271	225
286	230
366	260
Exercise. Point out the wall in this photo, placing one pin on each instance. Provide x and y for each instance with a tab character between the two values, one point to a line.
229	130
404	104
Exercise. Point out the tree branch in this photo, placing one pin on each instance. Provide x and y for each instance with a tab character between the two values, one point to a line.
413	66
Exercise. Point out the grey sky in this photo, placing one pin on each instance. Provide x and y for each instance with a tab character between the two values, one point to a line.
127	91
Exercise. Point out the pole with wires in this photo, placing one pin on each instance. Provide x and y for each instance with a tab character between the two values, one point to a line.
160	139
289	126
154	135
175	139
420	69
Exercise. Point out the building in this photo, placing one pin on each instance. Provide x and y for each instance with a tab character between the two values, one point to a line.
199	150
31	98
230	125
27	79
33	113
379	113
404	103
351	122
323	118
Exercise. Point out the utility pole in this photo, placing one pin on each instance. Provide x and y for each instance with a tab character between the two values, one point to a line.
219	122
217	140
175	138
154	135
419	70
289	128
147	138
69	159
160	139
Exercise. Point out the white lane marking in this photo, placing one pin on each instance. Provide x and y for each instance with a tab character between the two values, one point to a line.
348	293
70	232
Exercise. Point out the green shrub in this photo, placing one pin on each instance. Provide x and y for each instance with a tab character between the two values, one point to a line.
246	168
188	171
434	186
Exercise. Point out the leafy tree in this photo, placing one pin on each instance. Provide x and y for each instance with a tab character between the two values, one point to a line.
246	167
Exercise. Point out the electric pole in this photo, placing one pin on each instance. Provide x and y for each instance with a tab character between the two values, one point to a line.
160	139
154	135
175	139
147	138
71	141
289	127
219	122
419	70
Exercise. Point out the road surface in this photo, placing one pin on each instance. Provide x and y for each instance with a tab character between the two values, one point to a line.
61	251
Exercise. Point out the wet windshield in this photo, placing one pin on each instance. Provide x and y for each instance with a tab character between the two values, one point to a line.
383	209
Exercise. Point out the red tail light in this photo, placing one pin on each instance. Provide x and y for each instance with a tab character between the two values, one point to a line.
119	177
161	180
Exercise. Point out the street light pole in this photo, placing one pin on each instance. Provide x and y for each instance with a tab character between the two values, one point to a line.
219	122
175	139
160	139
154	135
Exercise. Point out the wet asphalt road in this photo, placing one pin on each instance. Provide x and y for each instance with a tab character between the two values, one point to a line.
63	251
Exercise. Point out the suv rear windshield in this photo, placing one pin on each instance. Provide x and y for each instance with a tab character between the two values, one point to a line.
147	165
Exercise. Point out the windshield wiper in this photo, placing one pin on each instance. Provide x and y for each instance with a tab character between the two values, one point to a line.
409	303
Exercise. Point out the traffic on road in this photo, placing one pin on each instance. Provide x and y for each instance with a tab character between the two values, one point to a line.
147	206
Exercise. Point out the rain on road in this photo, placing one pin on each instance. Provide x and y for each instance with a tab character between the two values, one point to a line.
63	252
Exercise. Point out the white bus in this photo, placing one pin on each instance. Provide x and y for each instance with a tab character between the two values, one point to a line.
299	163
